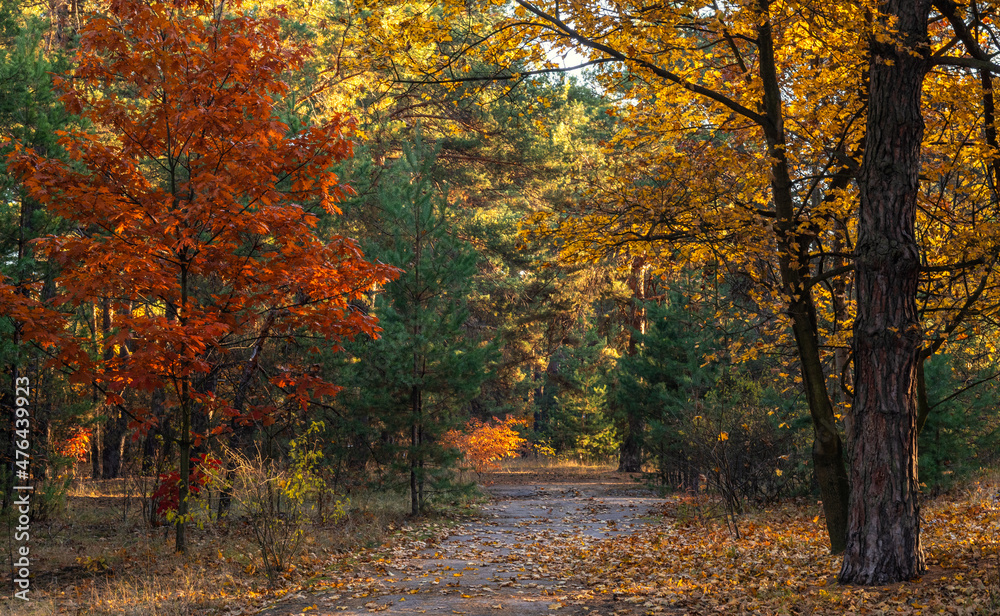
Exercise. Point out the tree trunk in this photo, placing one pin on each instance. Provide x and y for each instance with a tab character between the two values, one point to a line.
630	452
414	452
8	402
883	541
421	477
242	433
95	439
828	451
157	399
113	430
113	434
184	484
923	409
184	442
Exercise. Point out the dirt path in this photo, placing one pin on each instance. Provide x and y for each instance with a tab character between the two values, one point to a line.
511	560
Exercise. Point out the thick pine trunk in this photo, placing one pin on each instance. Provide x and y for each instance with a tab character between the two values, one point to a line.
883	540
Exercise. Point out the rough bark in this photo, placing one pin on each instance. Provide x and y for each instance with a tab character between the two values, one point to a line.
883	540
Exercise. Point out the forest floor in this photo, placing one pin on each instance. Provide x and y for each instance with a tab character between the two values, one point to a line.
601	544
547	541
507	560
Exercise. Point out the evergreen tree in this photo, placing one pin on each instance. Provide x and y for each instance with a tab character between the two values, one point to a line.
571	404
30	115
962	430
412	383
665	383
707	418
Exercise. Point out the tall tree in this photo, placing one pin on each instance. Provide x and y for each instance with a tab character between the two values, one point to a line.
30	114
195	212
883	541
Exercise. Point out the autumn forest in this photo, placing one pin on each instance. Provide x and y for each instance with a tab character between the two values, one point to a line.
500	307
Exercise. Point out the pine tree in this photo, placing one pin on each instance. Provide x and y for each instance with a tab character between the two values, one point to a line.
29	117
665	383
413	381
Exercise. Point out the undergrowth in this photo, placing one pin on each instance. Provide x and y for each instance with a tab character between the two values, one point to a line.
101	557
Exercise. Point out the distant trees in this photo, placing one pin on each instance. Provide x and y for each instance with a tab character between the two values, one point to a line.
30	113
188	274
710	419
173	345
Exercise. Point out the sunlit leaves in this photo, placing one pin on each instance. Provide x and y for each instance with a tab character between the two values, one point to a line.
197	208
485	444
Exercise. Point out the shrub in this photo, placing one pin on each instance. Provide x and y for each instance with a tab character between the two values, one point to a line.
746	444
484	444
276	497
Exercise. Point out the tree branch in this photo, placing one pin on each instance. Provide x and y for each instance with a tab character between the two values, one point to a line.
517	75
965	389
833	273
656	70
975	63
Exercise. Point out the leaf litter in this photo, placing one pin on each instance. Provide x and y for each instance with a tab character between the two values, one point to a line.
590	549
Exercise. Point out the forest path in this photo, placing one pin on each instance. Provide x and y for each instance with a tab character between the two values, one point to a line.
515	558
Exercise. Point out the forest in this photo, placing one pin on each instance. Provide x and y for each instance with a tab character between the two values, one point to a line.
500	307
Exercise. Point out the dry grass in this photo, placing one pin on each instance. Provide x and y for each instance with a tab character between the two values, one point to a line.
547	469
100	557
534	464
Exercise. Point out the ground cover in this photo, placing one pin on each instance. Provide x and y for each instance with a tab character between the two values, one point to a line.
548	541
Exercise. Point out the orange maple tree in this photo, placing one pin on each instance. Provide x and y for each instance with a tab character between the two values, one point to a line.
196	213
484	444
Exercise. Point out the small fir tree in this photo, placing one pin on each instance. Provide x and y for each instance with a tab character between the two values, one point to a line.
412	383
